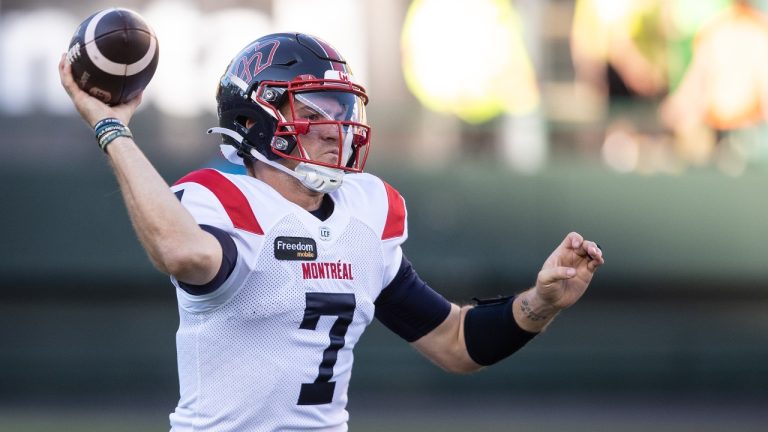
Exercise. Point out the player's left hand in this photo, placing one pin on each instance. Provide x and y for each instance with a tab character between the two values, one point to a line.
567	272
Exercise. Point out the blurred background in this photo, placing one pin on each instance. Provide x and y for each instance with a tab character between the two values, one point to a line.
505	124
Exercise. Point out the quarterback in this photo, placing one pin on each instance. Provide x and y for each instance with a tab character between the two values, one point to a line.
279	271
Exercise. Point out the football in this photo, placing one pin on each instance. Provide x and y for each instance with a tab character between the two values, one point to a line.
114	54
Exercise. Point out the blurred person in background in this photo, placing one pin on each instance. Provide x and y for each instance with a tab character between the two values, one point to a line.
278	271
617	46
619	54
721	99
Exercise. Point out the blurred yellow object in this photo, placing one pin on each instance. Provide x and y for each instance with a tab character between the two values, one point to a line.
467	57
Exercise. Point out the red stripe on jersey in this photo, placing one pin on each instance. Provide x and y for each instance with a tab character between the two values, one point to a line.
235	203
395	224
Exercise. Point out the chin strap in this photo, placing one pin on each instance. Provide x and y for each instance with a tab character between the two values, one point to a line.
314	177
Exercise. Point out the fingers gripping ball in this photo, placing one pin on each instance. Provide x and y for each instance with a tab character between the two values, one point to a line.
114	54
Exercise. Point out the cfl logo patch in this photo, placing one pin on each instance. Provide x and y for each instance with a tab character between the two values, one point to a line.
325	233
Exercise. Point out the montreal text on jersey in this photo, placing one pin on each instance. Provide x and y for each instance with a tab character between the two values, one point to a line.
327	270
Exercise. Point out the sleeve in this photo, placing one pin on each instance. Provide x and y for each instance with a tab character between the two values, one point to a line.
408	306
228	261
222	209
394	233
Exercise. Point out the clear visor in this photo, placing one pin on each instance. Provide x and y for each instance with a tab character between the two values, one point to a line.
330	116
329	105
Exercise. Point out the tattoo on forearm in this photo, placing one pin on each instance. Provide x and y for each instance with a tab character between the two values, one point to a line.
529	313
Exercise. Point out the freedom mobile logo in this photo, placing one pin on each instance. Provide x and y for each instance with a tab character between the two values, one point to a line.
295	249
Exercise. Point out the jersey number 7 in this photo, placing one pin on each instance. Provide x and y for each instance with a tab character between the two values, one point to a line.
342	306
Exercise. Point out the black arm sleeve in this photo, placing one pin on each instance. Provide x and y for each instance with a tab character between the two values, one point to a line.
228	261
491	332
409	307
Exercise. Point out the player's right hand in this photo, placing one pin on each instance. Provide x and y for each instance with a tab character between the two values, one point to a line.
91	109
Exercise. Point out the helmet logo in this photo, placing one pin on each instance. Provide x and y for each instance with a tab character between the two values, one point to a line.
255	59
338	75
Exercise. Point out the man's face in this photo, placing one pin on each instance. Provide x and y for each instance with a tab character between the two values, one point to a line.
321	142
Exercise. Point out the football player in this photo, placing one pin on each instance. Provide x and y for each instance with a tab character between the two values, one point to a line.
279	271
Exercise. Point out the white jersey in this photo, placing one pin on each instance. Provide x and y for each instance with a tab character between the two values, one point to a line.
271	348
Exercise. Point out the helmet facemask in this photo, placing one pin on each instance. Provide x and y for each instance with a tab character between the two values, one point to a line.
321	116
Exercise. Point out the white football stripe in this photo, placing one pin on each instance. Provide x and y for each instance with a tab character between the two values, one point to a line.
108	65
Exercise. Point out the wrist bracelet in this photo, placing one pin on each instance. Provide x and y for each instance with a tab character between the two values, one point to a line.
108	129
106	139
106	121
